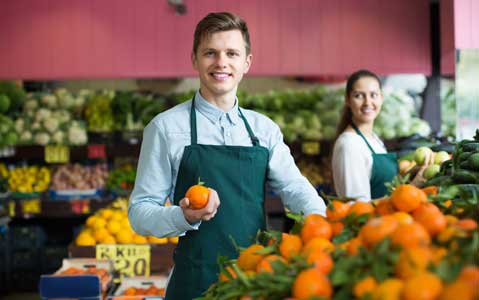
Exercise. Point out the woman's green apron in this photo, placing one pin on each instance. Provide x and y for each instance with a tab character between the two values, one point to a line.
384	169
238	174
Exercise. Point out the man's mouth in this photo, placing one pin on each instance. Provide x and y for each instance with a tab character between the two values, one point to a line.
220	75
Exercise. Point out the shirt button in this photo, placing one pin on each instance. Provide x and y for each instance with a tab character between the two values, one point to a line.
228	134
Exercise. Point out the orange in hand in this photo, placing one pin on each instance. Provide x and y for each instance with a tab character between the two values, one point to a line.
198	195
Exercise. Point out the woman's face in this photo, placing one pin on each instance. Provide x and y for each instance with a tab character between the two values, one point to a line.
365	100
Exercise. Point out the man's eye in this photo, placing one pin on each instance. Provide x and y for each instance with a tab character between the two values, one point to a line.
231	54
209	53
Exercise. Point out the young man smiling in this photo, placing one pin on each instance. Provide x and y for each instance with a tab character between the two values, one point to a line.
233	150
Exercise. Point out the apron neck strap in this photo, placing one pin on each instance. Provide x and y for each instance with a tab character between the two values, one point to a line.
194	137
365	140
253	138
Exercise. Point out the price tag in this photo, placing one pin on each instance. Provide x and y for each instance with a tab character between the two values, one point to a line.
80	206
31	206
57	154
96	151
11	209
310	148
129	260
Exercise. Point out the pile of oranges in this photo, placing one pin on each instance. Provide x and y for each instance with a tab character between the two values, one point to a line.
402	247
111	226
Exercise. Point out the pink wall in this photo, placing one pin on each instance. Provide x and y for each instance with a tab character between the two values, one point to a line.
56	39
448	50
466	21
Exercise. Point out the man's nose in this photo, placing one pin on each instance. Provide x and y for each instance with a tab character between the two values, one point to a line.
221	60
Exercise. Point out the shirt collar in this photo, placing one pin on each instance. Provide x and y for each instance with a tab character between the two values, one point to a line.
213	113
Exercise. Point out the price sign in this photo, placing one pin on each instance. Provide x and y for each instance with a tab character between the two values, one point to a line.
80	206
129	260
57	154
31	206
96	151
310	148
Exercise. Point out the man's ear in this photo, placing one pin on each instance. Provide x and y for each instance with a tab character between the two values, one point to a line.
193	61
249	59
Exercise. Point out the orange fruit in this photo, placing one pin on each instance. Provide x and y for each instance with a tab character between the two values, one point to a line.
423	286
470	275
315	226
248	259
430	190
353	245
403	217
264	264
389	289
311	283
375	230
317	244
290	245
337	226
321	261
384	207
410	235
466	224
361	208
224	277
412	261
365	287
457	290
198	196
429	216
407	197
337	210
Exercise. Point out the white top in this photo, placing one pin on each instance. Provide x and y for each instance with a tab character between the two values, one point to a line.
352	165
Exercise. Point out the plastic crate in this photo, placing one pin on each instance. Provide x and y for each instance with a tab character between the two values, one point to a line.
27	237
53	257
26	281
26	260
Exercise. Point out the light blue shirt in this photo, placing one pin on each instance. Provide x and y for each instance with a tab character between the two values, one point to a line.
164	139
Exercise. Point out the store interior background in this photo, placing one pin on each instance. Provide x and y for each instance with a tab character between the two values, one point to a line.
407	56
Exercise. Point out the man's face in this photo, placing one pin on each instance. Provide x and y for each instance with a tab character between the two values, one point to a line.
221	62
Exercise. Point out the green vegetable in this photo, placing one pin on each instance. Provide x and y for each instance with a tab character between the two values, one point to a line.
4	104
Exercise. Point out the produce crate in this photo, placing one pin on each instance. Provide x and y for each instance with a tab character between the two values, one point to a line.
24	280
53	257
26	260
77	286
27	237
143	285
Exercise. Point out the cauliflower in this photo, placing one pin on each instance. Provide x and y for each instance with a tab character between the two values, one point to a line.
19	125
30	105
41	138
36	126
58	137
51	125
50	100
42	114
77	135
26	137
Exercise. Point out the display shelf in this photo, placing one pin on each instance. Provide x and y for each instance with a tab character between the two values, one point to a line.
37	208
77	153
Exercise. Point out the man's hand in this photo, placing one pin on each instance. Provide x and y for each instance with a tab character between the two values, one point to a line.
204	214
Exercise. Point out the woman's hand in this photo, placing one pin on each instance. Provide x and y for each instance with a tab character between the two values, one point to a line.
204	214
419	179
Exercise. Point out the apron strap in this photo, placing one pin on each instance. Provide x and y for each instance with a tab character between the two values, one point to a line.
254	139
194	137
365	140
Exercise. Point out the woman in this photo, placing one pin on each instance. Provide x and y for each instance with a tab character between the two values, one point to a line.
361	164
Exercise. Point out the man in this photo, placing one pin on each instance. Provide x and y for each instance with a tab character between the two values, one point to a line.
234	151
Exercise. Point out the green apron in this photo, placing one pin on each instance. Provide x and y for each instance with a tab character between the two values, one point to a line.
238	174
384	169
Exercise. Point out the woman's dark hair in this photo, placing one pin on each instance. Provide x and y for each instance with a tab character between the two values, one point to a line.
346	114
